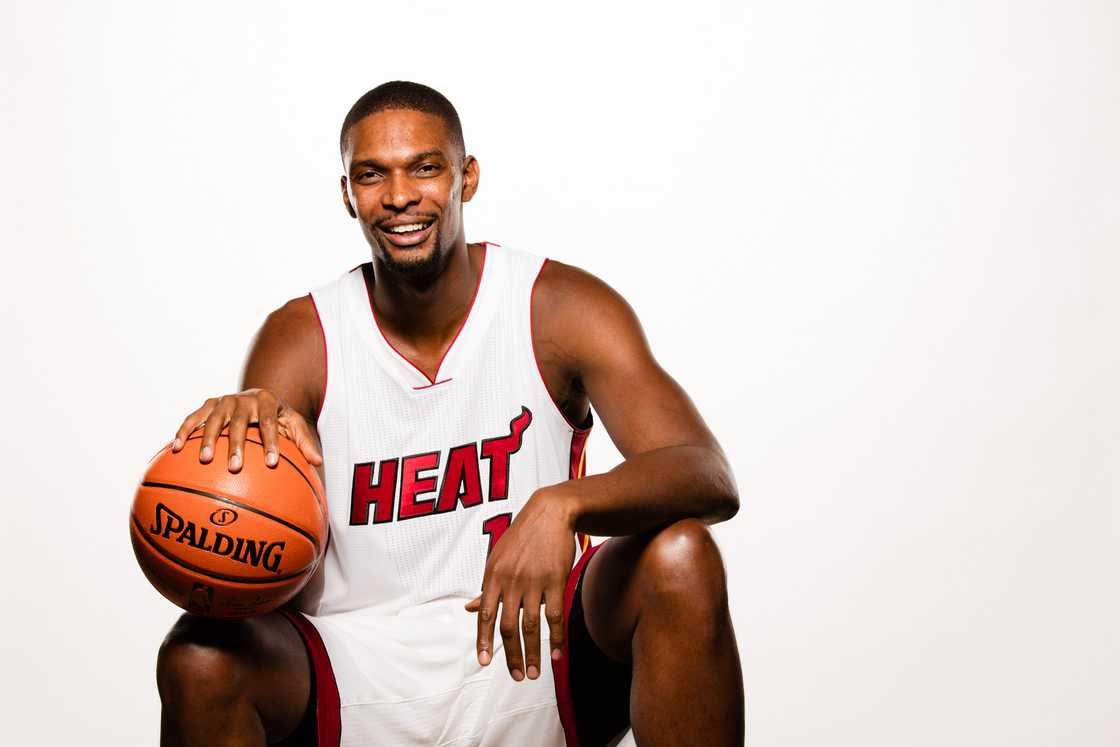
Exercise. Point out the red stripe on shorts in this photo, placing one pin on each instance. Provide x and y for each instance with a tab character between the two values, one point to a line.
561	670
328	707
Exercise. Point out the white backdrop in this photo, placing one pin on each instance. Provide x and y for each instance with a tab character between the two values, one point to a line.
876	241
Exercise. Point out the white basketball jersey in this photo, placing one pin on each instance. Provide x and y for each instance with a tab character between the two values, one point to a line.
423	475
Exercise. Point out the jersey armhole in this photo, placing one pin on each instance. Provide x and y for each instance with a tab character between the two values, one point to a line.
326	360
584	429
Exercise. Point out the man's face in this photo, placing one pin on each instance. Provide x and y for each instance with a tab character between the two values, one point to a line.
406	183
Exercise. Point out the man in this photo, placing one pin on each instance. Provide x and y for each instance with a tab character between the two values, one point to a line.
450	387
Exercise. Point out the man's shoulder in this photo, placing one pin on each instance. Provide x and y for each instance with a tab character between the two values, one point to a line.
287	357
563	289
579	320
294	330
295	315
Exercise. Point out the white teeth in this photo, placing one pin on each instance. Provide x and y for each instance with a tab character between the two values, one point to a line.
406	229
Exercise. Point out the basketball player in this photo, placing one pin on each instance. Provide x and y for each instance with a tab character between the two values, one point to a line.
450	385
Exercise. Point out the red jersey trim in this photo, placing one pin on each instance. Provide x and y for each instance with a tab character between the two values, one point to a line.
577	459
326	363
434	383
367	274
577	468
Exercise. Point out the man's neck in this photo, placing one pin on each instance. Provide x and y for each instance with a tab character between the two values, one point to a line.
427	311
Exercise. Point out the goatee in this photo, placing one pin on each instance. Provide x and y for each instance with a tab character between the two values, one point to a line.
414	265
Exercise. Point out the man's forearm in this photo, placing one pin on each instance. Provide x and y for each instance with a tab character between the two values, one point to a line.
651	489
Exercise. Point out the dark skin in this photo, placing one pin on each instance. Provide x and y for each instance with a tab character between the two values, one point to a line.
640	590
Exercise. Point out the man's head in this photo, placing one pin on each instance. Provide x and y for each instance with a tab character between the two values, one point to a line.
405	165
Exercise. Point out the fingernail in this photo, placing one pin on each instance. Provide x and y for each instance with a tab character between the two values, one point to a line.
206	453
556	654
517	675
533	672
178	444
484	657
271	459
235	461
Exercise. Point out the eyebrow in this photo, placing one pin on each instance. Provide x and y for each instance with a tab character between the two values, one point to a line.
369	162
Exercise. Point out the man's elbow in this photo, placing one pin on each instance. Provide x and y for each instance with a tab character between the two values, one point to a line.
726	507
726	496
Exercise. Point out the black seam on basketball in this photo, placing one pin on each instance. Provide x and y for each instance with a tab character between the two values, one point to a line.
211	574
286	459
310	537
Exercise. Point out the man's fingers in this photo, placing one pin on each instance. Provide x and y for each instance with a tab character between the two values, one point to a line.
554	613
266	420
511	636
487	613
214	425
474	604
244	412
239	411
531	633
192	422
298	430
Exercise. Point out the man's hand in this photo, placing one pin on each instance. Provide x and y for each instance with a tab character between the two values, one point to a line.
528	566
238	411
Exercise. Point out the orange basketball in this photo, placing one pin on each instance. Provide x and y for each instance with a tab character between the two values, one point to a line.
229	545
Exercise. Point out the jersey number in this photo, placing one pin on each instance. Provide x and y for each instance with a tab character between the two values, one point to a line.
495	527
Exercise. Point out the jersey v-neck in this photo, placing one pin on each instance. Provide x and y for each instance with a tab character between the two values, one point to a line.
423	381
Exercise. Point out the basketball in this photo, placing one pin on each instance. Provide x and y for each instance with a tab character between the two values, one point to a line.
229	545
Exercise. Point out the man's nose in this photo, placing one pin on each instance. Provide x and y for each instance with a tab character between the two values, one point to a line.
399	192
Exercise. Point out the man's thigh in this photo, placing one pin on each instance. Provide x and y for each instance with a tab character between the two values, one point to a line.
611	595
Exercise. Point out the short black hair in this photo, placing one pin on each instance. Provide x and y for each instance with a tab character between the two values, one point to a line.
403	94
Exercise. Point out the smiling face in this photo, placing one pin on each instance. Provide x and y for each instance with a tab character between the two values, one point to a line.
406	181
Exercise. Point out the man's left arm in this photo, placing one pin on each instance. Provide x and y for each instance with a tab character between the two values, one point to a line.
673	467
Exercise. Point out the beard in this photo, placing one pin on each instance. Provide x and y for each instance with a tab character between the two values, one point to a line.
415	264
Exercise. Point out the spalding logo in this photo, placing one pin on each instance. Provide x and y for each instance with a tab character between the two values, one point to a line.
223	517
257	553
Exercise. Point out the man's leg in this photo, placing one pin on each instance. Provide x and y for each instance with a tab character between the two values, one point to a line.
244	682
659	601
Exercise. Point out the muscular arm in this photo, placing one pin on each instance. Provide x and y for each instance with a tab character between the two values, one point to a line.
589	340
590	347
286	358
282	386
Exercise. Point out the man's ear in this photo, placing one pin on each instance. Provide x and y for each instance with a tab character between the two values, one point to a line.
470	177
346	198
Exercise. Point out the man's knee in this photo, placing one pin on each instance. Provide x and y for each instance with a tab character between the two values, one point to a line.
216	672
199	663
681	565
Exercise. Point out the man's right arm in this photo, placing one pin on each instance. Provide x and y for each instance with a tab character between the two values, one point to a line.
283	383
